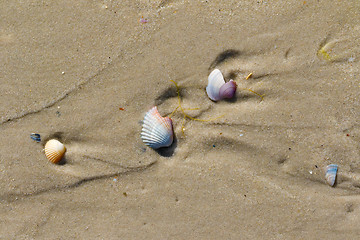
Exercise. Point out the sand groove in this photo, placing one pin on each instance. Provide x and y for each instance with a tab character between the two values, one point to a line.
11	197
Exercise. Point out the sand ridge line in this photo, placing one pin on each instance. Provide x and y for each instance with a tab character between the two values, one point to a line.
123	54
12	197
62	97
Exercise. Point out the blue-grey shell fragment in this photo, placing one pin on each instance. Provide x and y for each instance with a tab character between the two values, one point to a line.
331	171
36	137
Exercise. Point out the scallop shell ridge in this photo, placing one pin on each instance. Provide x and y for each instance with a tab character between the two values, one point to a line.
157	131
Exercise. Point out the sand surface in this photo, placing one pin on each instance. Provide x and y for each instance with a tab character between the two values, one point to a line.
86	72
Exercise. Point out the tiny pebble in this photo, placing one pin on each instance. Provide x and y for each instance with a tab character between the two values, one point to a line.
62	73
310	172
241	135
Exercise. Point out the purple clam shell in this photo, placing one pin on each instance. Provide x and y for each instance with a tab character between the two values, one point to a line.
228	90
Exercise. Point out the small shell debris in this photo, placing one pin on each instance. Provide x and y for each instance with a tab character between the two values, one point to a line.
330	175
143	20
36	137
249	76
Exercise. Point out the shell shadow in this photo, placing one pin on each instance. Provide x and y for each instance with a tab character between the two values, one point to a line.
231	100
56	135
232	75
168	151
63	161
62	137
170	92
223	56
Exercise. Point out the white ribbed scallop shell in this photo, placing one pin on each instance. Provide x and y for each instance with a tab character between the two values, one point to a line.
157	131
54	150
215	81
331	171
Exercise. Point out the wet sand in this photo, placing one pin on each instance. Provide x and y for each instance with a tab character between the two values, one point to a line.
87	72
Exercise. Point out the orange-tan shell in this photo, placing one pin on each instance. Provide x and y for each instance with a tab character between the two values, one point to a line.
54	150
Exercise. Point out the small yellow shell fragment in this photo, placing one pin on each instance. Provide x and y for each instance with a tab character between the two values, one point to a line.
249	76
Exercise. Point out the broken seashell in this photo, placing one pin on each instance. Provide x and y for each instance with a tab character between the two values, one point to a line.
36	137
54	150
330	175
217	89
157	131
